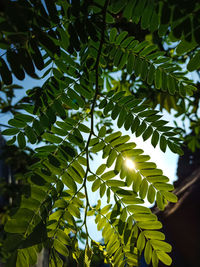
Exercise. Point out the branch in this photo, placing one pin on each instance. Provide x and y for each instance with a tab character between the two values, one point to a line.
96	67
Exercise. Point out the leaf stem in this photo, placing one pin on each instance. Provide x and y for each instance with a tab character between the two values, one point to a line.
96	67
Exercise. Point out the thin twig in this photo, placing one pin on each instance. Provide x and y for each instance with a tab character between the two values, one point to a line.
92	110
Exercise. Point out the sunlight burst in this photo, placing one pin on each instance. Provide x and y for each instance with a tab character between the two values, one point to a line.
130	164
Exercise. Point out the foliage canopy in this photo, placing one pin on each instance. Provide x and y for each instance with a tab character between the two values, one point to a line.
78	46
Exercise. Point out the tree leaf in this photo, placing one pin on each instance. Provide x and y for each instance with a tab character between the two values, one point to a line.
30	134
164	257
194	63
101	169
21	140
148	225
11	131
69	182
52	138
96	185
151	194
108	175
60	247
148	252
16	226
111	158
161	245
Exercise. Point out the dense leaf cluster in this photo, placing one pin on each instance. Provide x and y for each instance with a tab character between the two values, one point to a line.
78	45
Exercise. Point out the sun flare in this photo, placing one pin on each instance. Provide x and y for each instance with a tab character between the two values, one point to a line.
130	164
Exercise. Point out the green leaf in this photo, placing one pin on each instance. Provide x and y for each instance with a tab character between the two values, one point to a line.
102	131
103	103
98	147
5	72
164	257
121	37
17	123
151	194
30	134
171	84
78	168
123	61
115	183
148	132
54	161
32	255
24	117
113	34
83	128
128	10
138	209
151	172
140	46
75	175
141	242
194	63
52	138
163	186
101	169
60	247
150	75
21	140
75	98
115	112
170	196
148	252
130	63
63	237
137	182
143	188
101	223
106	209
144	69
58	131
159	201
74	211
91	178
108	175
155	139
16	226
135	125
190	89
102	189
154	259
141	129
154	235
21	259
148	225
57	105
112	136
128	121
158	178
132	200
38	127
117	57
69	182
161	245
158	78
111	158
96	185
119	141
144	217
119	163
11	131
148	49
